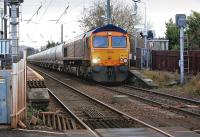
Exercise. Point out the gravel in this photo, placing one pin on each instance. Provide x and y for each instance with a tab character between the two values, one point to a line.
152	115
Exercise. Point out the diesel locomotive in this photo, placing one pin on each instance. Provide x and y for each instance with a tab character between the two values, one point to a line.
101	54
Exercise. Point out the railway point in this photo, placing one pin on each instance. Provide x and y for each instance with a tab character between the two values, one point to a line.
99	69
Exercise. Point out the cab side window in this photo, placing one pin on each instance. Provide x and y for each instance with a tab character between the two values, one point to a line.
65	52
88	42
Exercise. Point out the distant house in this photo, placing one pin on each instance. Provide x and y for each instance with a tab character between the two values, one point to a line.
158	44
154	44
30	51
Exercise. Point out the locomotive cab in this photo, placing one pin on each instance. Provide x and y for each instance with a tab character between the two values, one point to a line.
110	56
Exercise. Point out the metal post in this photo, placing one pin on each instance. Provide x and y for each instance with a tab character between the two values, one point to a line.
181	63
145	38
14	8
135	32
108	12
181	23
5	19
135	41
145	29
1	24
146	53
61	33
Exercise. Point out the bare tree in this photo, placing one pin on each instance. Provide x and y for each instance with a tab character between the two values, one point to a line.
121	15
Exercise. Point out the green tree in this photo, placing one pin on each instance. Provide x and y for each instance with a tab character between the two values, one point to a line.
50	44
121	15
172	34
193	30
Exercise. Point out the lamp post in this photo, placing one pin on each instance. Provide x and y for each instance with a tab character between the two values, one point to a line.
135	32
145	28
145	19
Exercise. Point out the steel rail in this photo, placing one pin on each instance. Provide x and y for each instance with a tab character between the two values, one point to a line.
107	106
72	114
154	102
165	95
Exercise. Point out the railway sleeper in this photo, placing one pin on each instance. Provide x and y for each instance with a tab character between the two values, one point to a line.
93	113
111	123
58	121
36	84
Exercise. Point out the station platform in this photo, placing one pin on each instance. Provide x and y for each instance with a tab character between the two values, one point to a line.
138	77
37	91
34	79
128	132
146	132
32	133
32	75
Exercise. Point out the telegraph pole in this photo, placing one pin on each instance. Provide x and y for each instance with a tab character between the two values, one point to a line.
108	12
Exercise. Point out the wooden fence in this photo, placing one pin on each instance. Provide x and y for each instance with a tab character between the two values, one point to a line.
18	93
169	61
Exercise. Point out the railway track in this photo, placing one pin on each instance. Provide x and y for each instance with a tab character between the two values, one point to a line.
62	119
92	112
169	102
57	116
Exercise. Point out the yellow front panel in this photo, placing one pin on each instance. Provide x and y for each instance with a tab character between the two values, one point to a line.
109	57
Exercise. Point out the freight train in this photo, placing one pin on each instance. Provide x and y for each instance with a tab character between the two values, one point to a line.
101	54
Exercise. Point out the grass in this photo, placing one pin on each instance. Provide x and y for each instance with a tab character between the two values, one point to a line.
193	86
161	78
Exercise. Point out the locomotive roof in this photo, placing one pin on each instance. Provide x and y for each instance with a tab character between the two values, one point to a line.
109	27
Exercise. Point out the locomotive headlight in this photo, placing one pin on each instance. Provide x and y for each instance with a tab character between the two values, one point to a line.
125	60
96	60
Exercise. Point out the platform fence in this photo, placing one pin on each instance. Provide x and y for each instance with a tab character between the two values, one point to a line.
169	61
18	92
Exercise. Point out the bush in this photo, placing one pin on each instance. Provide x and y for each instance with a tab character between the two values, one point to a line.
162	78
193	86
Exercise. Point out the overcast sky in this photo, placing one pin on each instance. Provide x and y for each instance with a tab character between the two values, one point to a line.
42	28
